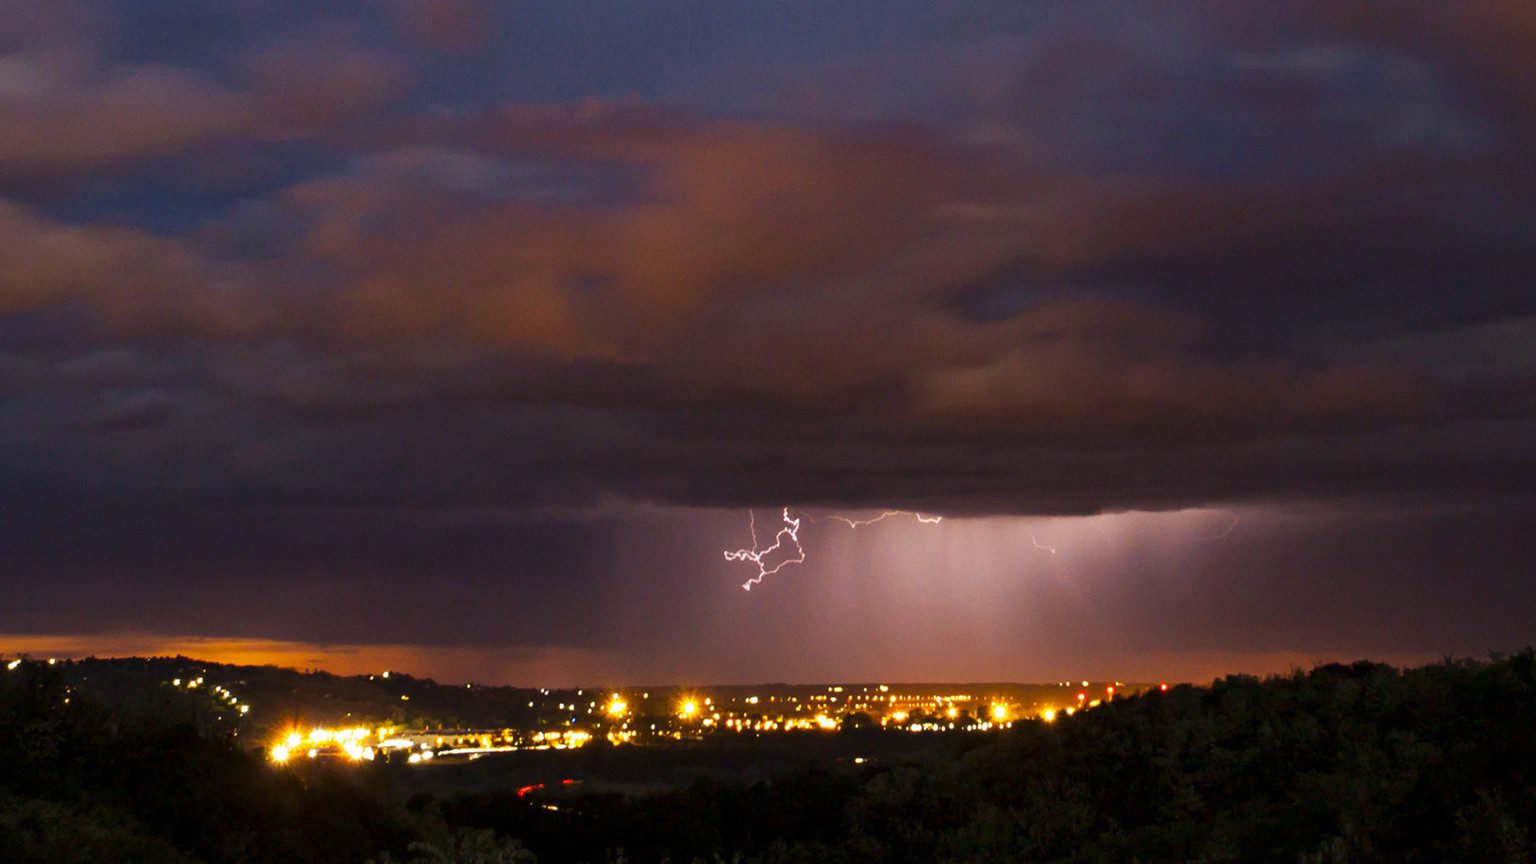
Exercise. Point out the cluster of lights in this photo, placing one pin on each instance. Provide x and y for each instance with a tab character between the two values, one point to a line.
821	711
983	726
365	744
567	739
892	709
352	744
219	692
15	664
621	717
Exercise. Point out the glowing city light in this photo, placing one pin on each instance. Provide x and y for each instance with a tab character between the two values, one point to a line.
694	714
353	744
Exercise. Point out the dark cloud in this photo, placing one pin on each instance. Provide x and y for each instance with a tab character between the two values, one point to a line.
1475	46
302	287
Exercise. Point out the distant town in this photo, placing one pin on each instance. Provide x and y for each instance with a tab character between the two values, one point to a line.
390	716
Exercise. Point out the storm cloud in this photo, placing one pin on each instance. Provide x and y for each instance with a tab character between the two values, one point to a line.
299	288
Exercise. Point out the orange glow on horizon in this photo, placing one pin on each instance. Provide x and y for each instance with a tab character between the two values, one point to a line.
555	666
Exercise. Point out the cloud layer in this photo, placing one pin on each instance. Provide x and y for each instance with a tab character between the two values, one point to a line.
317	266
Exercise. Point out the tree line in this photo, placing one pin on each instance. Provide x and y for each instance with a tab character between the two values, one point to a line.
1343	763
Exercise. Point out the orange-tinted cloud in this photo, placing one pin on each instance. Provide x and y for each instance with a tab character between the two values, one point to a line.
661	262
62	115
125	278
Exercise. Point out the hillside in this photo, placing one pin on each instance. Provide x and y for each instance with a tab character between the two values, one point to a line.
1357	763
280	697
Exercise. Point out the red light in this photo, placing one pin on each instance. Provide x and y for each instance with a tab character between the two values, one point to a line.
526	789
1163	687
1082	696
567	782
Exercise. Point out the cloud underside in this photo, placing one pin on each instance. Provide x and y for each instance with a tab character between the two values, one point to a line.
522	304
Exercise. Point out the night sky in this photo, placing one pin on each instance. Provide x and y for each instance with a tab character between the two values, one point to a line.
464	338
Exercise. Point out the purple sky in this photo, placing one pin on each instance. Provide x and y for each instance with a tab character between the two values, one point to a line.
465	335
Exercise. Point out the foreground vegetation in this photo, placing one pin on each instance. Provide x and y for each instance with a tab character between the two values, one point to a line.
1360	763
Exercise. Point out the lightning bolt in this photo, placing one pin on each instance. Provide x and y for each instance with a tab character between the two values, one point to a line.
1041	546
859	523
791	530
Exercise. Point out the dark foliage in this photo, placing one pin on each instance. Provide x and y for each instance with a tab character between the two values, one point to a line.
1359	763
84	780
